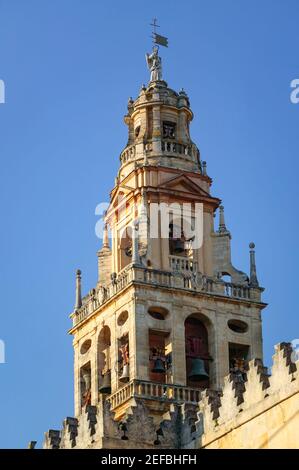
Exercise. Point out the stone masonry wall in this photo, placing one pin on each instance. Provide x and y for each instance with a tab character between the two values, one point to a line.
253	410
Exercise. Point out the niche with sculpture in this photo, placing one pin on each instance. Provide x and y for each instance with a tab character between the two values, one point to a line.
85	381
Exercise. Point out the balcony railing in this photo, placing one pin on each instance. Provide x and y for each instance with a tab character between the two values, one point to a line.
186	278
170	146
128	154
154	391
180	263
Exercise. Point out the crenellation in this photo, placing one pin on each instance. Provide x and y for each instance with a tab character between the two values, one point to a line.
269	403
256	384
284	370
69	433
52	439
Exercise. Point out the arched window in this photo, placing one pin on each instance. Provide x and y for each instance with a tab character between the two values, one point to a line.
181	235
160	357
177	240
197	353
85	381
226	277
104	361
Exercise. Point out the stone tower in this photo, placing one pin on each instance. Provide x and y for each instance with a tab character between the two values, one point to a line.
169	316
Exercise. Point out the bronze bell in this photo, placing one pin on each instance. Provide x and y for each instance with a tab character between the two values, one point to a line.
105	387
125	374
178	245
198	372
158	366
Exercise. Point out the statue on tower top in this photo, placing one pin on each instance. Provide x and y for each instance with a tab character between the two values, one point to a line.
154	63
153	60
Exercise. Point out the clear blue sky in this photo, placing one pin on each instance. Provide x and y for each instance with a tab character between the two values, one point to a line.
69	68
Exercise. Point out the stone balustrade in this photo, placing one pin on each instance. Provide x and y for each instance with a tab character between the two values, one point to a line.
232	290
171	146
183	276
180	263
152	390
164	147
128	154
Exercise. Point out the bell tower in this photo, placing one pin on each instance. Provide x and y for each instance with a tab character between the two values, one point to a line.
170	314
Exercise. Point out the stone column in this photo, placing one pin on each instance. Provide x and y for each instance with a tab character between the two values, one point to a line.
77	388
113	352
256	350
135	241
178	347
142	342
156	129
207	249
94	368
221	352
164	247
114	243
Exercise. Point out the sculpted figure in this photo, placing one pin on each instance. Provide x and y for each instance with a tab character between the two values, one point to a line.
154	64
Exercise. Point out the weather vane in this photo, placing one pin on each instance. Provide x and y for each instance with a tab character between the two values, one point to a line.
154	62
157	38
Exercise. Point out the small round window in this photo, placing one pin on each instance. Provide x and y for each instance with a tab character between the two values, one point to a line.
85	346
122	318
237	326
158	313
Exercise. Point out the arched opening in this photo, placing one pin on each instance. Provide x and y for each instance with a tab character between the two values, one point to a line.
160	356
104	361
197	353
123	359
179	242
225	277
85	384
181	238
238	356
125	247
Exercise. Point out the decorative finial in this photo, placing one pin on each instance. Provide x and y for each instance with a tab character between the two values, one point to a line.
222	226
32	444
253	277
142	215
78	303
204	168
105	237
130	103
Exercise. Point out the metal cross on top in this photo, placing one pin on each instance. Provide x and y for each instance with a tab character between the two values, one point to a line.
157	38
